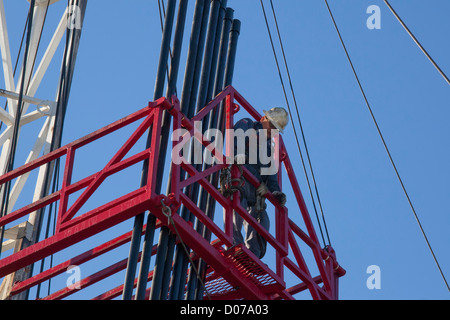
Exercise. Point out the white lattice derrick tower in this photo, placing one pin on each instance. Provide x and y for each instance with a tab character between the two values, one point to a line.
43	114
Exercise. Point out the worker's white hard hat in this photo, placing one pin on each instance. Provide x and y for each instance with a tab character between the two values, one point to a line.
278	117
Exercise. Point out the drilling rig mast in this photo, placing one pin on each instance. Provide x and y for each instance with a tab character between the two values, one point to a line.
194	257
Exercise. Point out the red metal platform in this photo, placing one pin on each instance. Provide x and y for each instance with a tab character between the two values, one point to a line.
233	273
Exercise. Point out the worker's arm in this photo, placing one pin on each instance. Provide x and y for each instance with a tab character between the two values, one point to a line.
271	181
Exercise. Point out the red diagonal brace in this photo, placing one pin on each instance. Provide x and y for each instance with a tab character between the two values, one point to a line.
102	175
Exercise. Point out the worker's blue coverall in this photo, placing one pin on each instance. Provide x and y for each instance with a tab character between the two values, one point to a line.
253	241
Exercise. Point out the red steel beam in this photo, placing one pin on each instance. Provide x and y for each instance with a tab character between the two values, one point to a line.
88	281
127	208
78	260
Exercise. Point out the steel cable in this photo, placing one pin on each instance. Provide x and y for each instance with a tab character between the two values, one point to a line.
292	120
385	145
417	42
10	163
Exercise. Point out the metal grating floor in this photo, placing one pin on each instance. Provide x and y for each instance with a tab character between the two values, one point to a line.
218	287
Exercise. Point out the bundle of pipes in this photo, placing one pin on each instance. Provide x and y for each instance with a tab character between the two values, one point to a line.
209	69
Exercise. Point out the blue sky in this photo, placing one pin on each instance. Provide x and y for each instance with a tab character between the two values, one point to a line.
368	217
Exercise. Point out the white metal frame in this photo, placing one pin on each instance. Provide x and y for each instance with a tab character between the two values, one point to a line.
44	108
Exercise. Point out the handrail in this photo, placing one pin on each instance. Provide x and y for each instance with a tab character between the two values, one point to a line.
284	225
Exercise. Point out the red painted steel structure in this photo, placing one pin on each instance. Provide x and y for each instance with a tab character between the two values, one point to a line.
233	272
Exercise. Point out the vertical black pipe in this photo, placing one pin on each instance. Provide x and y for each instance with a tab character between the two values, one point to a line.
198	62
202	100
231	60
132	257
165	50
139	220
181	260
180	257
217	48
208	122
208	83
190	87
192	56
158	270
207	202
217	88
167	32
190	191
162	256
227	79
177	45
224	42
168	267
209	54
222	73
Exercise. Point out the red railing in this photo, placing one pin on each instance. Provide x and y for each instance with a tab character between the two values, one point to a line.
285	229
74	226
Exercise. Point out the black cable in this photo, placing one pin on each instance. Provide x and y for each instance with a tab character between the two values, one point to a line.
290	115
300	123
417	42
18	55
385	145
47	230
10	163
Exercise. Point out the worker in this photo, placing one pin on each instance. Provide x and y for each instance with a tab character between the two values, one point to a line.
252	198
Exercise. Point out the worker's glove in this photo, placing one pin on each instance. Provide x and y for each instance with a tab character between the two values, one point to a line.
240	159
262	190
280	197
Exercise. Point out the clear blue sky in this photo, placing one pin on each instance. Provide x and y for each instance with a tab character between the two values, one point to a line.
368	217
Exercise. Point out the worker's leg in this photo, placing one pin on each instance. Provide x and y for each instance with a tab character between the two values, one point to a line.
237	223
253	240
237	228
